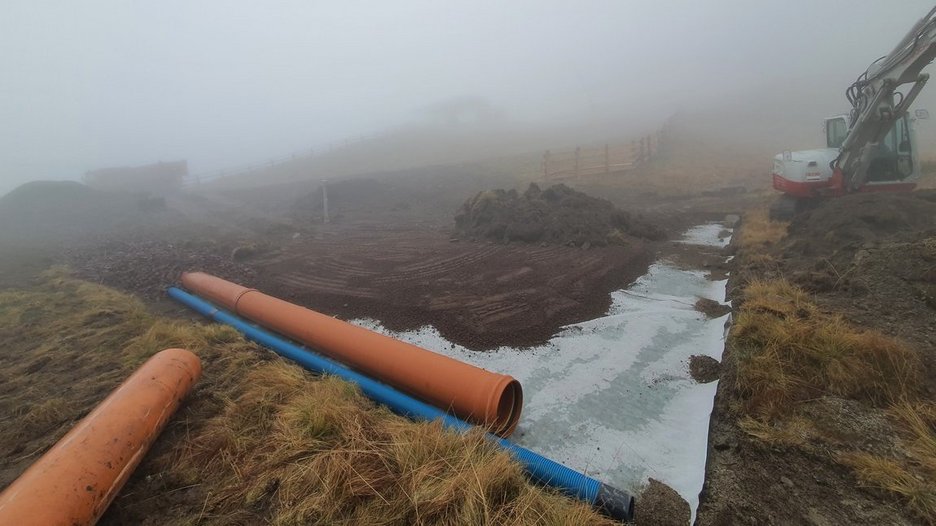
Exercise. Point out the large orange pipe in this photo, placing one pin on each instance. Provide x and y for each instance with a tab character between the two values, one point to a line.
485	398
75	481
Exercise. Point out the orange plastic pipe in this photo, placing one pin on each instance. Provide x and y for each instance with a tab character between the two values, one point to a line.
75	481
479	396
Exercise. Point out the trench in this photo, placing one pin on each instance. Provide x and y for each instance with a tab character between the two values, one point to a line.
612	397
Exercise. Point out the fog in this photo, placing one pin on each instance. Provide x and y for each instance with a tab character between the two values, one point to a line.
91	84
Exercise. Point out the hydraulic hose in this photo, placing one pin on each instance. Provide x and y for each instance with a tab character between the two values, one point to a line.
609	500
75	481
482	397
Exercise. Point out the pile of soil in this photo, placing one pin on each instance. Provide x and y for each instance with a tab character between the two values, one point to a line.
711	308
361	198
660	505
351	192
704	369
556	215
838	228
46	211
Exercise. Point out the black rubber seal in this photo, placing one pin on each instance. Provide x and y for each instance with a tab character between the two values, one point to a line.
615	503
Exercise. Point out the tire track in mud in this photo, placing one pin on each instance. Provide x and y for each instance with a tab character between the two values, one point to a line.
479	294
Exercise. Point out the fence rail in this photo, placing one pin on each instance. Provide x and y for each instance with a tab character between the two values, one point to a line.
606	159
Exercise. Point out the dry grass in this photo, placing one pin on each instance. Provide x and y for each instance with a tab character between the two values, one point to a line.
897	478
758	232
320	453
788	351
259	441
792	431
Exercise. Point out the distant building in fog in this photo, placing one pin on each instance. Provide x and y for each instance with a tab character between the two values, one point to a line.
159	178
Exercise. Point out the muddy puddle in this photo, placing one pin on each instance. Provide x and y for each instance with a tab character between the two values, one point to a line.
613	396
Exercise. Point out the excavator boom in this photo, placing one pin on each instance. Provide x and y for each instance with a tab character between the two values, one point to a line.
877	103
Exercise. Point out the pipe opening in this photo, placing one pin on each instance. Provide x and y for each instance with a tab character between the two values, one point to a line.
509	406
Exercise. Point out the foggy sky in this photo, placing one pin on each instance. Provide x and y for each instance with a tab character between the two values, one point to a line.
95	83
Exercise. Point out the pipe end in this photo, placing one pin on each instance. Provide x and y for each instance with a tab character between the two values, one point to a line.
509	406
615	503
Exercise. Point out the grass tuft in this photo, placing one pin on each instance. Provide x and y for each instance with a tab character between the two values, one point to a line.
788	351
895	477
758	232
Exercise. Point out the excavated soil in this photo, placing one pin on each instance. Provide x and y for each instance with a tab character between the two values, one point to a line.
711	308
704	369
556	215
872	259
660	505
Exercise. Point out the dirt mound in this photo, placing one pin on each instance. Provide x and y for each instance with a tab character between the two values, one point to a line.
556	215
704	369
841	227
356	198
711	308
660	505
50	210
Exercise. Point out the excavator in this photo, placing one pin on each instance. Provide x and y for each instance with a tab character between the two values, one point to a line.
872	148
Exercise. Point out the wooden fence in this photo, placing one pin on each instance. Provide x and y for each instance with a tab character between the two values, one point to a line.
583	161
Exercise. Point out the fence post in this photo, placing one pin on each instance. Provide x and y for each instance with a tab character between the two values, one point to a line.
546	165
578	151
325	200
607	160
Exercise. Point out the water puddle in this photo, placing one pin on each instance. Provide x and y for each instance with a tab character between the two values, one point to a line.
613	397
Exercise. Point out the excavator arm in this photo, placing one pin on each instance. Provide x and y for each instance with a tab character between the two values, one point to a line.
877	102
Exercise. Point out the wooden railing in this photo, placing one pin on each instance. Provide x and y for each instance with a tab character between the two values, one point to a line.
585	161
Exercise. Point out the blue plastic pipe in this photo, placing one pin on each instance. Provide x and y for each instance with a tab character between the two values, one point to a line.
611	501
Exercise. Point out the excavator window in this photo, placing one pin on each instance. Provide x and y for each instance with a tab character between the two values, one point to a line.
836	131
891	160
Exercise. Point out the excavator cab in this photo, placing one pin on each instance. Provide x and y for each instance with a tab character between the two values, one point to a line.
892	158
872	148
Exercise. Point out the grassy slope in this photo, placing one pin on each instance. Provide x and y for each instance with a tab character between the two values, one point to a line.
788	353
259	441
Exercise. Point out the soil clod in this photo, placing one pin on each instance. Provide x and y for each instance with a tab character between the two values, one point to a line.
660	505
704	369
711	308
